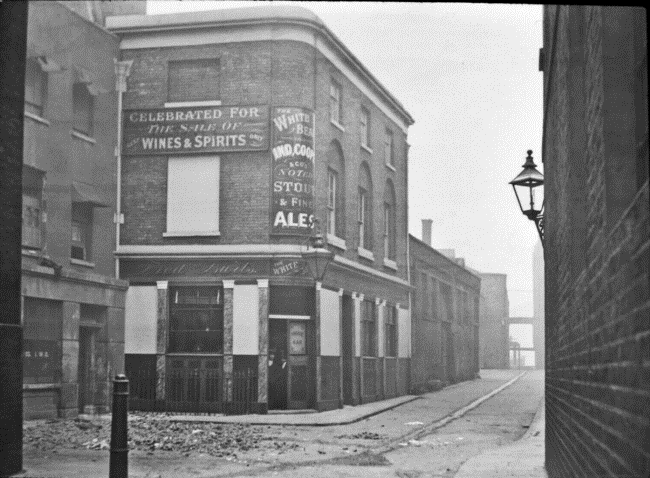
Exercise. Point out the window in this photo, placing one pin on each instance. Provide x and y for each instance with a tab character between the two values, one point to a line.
193	80
448	299
368	329
433	294
196	320
35	87
81	231
365	127
331	201
193	196
391	331
83	109
336	113
32	208
389	150
361	217
424	292
389	221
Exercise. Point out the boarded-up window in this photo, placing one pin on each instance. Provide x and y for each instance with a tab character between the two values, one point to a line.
193	80
193	195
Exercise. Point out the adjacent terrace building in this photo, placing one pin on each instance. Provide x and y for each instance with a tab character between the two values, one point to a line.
72	304
239	128
445	317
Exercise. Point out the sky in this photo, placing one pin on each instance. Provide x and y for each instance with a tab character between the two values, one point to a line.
468	75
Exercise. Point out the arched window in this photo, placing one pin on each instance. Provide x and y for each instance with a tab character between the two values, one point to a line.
389	230
335	218
364	208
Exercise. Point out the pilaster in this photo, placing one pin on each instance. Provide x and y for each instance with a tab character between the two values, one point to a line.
262	371
162	327
228	293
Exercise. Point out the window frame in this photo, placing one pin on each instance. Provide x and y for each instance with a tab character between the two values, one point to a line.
81	219
361	217
332	199
390	332
36	81
368	328
389	148
364	120
215	311
336	103
80	92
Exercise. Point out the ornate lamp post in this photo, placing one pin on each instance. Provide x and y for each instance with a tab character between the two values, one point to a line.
529	186
317	256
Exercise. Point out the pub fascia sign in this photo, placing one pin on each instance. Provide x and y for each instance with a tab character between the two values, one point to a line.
196	130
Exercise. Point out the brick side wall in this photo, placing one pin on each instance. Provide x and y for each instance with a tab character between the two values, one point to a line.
427	360
597	282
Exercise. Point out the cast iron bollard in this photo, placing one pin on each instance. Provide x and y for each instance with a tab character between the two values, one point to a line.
119	461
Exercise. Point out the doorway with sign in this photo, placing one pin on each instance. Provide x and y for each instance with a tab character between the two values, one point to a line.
289	378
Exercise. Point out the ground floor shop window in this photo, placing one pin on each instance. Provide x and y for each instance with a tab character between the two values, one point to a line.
368	329
196	320
42	341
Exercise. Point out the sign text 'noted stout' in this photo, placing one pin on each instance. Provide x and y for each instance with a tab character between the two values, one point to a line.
292	177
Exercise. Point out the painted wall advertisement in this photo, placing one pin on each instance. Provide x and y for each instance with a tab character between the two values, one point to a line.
196	130
292	175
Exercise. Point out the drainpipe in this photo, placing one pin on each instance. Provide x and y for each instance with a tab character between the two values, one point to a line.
122	71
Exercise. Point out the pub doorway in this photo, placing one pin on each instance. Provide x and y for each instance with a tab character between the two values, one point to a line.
290	383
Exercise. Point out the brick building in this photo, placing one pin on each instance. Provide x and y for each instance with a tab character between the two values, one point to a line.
239	126
445	317
72	304
597	238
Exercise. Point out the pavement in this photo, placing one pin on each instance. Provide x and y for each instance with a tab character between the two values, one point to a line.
346	415
523	458
398	419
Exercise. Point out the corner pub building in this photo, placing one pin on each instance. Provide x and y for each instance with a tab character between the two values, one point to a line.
239	127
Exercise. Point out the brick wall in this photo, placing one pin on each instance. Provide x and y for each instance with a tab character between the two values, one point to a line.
429	269
597	248
281	73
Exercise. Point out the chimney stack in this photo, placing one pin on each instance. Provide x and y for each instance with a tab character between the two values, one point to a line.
426	231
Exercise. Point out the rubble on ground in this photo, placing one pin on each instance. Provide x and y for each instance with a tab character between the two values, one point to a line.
151	432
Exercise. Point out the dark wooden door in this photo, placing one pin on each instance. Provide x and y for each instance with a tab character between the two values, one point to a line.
85	368
299	383
278	371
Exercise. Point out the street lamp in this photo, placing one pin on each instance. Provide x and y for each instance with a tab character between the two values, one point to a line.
529	185
317	256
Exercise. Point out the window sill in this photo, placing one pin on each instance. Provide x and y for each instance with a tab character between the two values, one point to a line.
339	126
30	252
179	104
190	233
365	253
366	148
390	264
83	137
391	167
80	262
336	241
38	119
40	386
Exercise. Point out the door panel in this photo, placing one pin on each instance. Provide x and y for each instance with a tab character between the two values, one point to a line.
299	376
277	364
